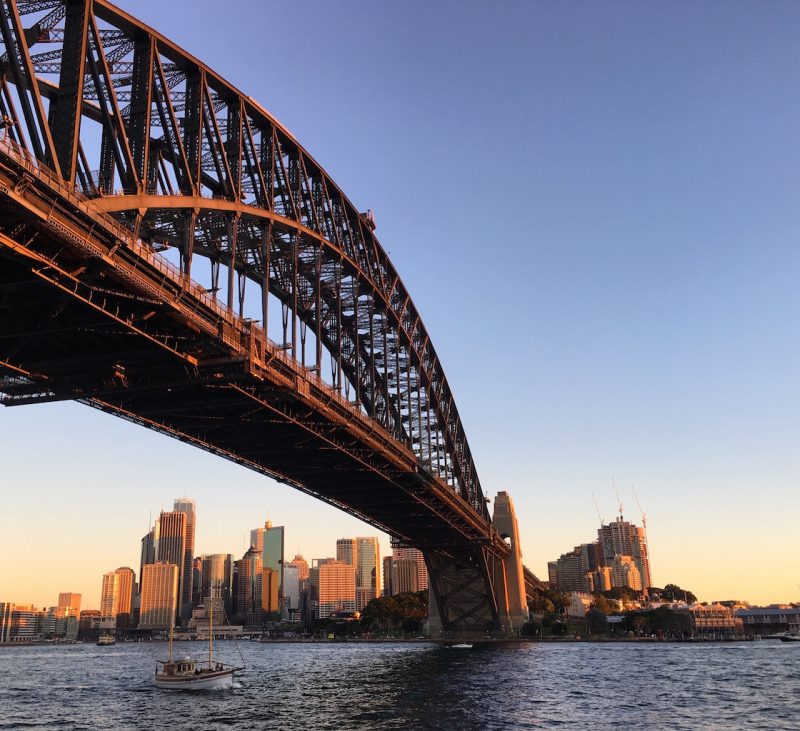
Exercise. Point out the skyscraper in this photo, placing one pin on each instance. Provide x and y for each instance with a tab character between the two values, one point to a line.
347	551
249	584
116	597
159	595
148	554
272	554
368	571
187	507
257	536
388	581
401	552
337	587
621	538
216	579
302	566
171	546
291	591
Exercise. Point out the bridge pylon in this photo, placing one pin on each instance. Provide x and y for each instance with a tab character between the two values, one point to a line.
474	592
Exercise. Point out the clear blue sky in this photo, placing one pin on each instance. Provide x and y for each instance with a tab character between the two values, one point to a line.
595	208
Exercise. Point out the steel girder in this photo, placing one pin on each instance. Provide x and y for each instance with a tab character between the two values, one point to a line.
197	165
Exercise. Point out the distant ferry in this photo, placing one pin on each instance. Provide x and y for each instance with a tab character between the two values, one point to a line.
105	640
188	674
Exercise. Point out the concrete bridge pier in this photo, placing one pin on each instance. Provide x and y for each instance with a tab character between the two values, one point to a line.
472	592
510	587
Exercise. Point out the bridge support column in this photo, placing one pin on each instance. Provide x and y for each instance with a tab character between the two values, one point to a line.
463	600
513	601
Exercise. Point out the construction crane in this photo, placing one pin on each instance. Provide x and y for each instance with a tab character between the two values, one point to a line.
644	515
600	517
619	499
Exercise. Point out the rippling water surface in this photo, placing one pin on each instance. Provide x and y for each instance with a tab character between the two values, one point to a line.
419	686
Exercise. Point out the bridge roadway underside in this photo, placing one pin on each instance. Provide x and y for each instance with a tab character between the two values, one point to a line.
88	316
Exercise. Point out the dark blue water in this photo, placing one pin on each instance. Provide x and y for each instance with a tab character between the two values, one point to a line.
411	686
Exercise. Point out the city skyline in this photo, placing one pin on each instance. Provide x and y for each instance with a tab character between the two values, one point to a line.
636	315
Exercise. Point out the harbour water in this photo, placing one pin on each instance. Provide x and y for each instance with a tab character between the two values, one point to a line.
579	685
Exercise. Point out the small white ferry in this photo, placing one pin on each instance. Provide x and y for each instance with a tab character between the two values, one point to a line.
189	674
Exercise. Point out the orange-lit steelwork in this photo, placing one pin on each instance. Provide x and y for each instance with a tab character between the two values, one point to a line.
117	145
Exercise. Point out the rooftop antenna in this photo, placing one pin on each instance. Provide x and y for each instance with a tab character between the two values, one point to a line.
600	517
616	492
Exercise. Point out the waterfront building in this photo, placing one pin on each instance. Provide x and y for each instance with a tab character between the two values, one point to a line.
171	545
116	598
216	578
622	538
88	623
272	554
27	624
187	507
337	588
6	610
714	620
69	604
774	619
388	576
579	603
159	601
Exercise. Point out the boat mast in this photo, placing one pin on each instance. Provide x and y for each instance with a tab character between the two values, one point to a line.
210	630
171	625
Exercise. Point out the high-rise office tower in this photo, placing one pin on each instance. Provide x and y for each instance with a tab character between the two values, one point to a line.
69	604
621	538
388	582
312	604
187	507
249	583
159	602
272	554
402	552
257	536
108	597
347	551
291	591
368	571
405	573
148	554
216	579
171	547
337	587
302	566
269	591
116	597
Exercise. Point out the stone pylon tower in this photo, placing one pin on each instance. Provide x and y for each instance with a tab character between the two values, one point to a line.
505	523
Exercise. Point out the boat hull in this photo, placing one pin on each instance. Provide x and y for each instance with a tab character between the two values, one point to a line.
203	681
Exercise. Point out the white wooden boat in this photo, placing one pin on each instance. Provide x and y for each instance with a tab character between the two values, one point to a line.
189	674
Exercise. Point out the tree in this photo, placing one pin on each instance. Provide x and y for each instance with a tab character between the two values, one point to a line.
622	592
597	621
674	593
531	628
601	604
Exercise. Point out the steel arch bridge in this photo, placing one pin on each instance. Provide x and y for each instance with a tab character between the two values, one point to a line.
119	150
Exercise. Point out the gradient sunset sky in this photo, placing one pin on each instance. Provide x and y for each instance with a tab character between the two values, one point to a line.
595	208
